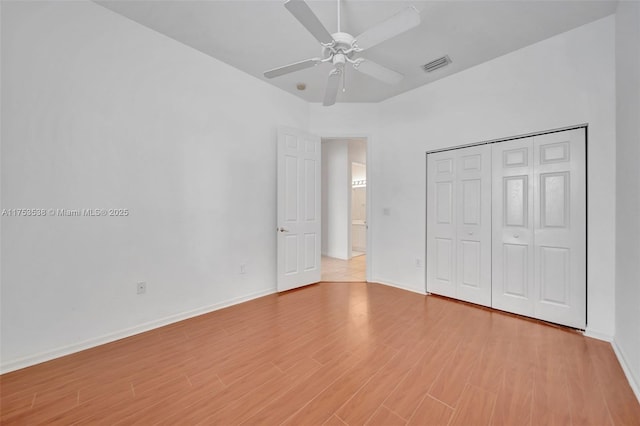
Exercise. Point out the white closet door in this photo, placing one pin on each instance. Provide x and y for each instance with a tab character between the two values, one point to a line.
459	224
539	227
441	229
513	248
560	227
473	225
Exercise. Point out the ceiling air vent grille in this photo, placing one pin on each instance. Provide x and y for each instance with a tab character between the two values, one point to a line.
438	63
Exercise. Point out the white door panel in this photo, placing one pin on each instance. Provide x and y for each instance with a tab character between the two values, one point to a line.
473	225
560	227
539	227
298	209
440	224
458	224
513	251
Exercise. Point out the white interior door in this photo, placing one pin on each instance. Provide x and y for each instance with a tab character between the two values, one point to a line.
560	238
459	224
513	252
473	225
441	227
298	209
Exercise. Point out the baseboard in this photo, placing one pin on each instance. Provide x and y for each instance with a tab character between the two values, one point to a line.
635	386
111	337
598	335
397	285
335	256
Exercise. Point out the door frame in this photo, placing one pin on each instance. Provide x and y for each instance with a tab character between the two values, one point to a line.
370	220
584	126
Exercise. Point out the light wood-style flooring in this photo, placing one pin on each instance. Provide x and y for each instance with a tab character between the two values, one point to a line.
352	270
333	354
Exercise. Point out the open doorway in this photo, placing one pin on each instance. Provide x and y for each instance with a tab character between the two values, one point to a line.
344	209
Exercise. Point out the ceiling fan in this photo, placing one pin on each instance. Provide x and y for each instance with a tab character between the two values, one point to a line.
341	48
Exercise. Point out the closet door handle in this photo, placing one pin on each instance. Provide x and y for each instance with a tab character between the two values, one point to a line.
516	235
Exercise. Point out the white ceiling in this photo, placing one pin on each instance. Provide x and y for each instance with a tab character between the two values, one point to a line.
255	36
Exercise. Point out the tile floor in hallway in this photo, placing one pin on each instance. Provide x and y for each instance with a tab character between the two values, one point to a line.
344	270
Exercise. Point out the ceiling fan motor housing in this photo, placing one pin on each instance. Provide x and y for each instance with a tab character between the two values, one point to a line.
343	45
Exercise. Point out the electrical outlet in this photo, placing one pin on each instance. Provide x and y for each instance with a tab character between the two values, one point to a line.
243	268
141	287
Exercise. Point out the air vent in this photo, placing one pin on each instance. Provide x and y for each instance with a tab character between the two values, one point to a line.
438	63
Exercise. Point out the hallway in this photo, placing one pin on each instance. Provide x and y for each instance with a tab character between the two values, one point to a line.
344	270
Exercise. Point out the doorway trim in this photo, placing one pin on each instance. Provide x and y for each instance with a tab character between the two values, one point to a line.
510	138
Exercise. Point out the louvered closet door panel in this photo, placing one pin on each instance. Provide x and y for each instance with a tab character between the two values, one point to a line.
441	227
560	227
473	224
513	248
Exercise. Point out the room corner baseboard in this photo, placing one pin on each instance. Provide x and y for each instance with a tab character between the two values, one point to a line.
598	335
28	361
635	385
397	285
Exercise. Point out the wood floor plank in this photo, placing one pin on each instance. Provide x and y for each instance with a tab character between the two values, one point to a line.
298	396
491	367
385	417
199	409
411	391
334	421
550	395
455	373
622	405
255	400
431	412
514	398
16	403
586	401
475	407
335	354
369	397
321	408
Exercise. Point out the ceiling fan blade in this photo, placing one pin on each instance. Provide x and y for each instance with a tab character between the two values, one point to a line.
333	83
297	66
305	15
395	25
377	71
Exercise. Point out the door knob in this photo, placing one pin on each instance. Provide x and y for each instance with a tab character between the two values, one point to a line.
470	232
283	230
516	235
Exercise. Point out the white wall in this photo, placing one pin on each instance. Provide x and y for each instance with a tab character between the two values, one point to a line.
358	152
565	80
358	171
627	339
336	189
100	112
